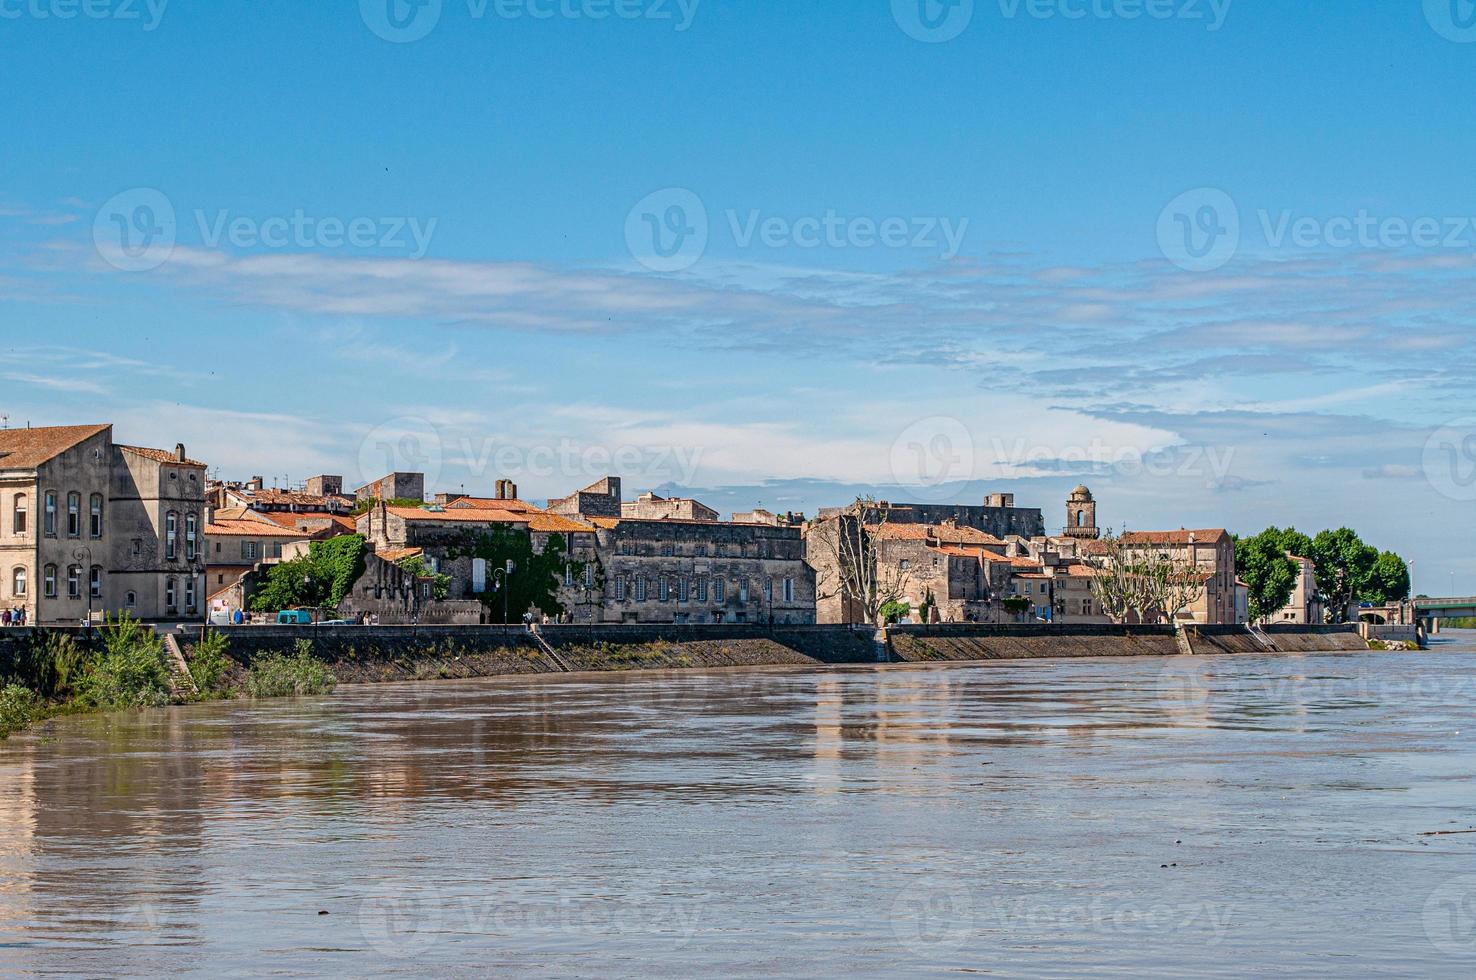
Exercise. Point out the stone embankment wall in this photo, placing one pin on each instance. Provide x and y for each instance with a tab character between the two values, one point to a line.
388	653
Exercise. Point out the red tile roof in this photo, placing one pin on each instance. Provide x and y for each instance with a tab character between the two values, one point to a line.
464	515
1212	535
250	529
26	449
160	456
400	554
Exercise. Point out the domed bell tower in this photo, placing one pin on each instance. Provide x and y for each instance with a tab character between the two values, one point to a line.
1081	515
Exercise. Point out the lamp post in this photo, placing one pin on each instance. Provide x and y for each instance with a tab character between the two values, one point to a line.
84	556
504	572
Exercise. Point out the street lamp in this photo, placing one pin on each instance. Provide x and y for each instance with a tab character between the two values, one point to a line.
504	572
84	556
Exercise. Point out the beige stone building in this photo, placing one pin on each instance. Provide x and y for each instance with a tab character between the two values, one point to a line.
90	525
236	545
648	506
1213	551
1304	606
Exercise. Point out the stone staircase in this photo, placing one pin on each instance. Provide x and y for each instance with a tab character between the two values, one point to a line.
553	654
181	684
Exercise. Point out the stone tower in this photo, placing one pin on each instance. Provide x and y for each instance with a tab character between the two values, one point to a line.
1081	515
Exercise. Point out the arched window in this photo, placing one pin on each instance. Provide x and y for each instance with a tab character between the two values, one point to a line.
171	532
48	581
74	581
50	519
74	515
18	583
94	581
19	521
1081	518
94	511
131	600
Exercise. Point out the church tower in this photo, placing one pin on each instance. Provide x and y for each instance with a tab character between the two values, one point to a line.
1081	515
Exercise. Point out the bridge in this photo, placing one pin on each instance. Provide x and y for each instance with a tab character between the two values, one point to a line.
1425	612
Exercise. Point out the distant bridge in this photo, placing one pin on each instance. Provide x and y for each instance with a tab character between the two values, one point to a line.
1426	612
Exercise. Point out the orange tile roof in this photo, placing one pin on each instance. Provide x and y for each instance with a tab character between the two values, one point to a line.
556	523
939	532
290	518
251	529
1212	535
492	503
400	554
160	456
465	515
25	449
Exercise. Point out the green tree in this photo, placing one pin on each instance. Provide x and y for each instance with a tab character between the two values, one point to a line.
1271	576
1344	564
1388	580
321	578
441	586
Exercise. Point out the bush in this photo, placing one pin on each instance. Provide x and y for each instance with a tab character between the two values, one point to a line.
132	671
17	708
47	665
297	675
209	664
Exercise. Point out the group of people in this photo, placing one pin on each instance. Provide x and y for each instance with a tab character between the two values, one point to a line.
13	617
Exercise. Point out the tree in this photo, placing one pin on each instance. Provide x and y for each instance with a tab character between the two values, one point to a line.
1143	581
1343	564
848	568
321	578
1388	580
893	611
440	585
1263	564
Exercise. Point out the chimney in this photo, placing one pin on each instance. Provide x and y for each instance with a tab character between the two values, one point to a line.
255	483
179	452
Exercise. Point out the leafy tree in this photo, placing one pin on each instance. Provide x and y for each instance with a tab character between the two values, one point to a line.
534	583
1388	580
321	578
894	610
441	587
1272	577
1343	563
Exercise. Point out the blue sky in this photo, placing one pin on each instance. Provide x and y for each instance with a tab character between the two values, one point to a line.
1214	259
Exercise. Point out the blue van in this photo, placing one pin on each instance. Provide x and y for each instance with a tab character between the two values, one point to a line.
294	617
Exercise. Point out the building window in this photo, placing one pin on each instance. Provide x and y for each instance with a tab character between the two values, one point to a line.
641	589
620	588
50	514
48	581
668	550
702	588
74	581
191	526
682	589
568	574
249	550
717	590
903	564
700	551
131	600
138	547
663	591
789	590
276	549
769	590
171	531
743	590
190	594
18	583
589	574
94	516
169	601
19	525
94	581
74	515
1086	607
625	548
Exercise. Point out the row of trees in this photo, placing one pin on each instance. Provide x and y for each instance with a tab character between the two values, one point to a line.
1347	570
1143	583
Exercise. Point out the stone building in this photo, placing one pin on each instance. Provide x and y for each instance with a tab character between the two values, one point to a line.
1212	550
322	494
1304	606
998	515
648	506
1081	515
599	499
91	526
394	486
234	546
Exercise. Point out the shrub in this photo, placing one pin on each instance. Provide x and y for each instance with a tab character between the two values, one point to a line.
209	665
284	676
17	708
47	665
132	671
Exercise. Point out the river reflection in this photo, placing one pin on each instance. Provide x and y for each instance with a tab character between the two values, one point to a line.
1185	816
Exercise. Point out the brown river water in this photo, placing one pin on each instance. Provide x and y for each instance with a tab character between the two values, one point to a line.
1193	816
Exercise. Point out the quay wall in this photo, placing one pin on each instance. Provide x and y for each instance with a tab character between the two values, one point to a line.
388	653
